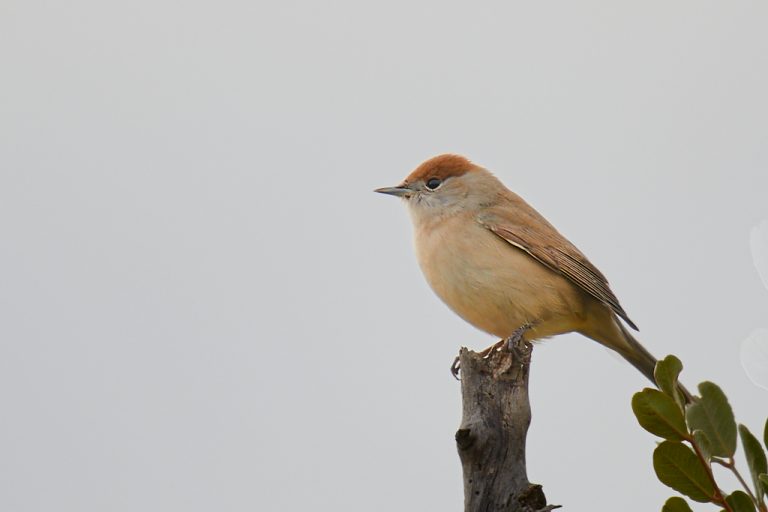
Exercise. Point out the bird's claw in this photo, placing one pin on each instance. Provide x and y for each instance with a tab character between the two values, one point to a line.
516	344
455	367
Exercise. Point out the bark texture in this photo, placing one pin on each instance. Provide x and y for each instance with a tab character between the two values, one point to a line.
491	438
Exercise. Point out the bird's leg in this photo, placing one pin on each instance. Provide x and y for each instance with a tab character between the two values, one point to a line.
517	344
520	348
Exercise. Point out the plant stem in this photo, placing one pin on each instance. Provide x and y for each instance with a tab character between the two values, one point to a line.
731	464
718	497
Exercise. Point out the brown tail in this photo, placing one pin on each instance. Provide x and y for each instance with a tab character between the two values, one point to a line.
607	329
640	358
636	354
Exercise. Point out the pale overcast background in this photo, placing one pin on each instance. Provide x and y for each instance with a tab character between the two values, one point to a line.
204	307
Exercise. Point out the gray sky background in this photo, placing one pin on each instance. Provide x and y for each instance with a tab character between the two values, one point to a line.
203	306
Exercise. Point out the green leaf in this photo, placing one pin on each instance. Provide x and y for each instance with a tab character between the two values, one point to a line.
765	435
678	467
702	441
713	415
740	502
659	414
755	457
764	481
666	373
676	504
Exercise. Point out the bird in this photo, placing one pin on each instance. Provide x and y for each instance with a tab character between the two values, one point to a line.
501	266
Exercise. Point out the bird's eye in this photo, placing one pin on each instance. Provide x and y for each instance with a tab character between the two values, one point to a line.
433	183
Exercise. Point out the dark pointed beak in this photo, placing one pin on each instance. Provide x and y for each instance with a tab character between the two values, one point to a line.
394	191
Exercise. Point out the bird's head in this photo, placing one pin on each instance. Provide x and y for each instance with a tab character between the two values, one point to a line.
446	185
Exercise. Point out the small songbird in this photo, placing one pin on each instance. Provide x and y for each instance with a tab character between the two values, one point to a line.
498	264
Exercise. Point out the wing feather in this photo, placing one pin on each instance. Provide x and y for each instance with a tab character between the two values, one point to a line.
554	251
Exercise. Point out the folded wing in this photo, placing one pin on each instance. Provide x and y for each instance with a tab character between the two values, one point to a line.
551	249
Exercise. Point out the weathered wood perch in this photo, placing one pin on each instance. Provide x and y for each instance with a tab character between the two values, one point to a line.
491	438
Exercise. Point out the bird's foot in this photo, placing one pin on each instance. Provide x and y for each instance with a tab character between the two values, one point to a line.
516	344
519	347
456	366
499	345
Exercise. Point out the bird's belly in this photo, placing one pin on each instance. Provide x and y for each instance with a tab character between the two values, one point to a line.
497	287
